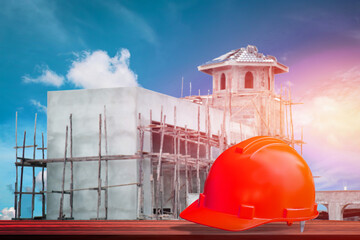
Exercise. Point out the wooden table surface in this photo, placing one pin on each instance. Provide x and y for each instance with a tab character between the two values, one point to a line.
149	229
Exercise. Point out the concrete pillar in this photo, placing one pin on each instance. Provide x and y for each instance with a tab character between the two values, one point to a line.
335	211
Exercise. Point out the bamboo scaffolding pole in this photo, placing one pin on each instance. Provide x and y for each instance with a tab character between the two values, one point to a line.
191	185
198	155
186	166
274	110
16	169
71	168
241	134
281	112
301	144
78	159
90	188
21	176
40	162
42	175
223	129
33	172
286	117
106	167
29	193
291	121
175	190
178	207
99	172
28	146
182	86
207	125
159	165
268	107
261	117
230	105
161	191
61	216
141	172
164	159
151	169
193	133
220	139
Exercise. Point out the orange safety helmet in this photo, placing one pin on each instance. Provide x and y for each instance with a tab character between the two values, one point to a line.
257	181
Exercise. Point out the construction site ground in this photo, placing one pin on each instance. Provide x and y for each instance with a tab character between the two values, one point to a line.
170	229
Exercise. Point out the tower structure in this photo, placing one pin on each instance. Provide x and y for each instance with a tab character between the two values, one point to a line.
243	86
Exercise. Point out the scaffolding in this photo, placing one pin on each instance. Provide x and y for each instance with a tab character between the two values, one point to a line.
180	162
188	168
234	103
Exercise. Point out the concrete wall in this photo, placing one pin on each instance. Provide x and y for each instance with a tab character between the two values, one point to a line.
235	78
86	105
123	106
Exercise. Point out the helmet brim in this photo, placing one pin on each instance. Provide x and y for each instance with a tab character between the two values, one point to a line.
202	215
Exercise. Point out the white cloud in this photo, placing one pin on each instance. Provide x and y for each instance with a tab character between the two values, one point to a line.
38	105
332	110
47	77
330	116
98	70
38	181
7	213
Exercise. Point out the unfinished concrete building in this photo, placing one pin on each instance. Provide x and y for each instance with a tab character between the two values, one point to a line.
131	153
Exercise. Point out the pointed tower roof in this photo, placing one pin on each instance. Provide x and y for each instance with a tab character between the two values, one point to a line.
248	56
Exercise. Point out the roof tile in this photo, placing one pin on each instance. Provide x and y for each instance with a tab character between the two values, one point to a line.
248	54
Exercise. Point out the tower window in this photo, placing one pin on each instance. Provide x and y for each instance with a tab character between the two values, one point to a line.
249	80
222	82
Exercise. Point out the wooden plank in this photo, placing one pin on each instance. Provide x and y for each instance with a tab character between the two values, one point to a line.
178	229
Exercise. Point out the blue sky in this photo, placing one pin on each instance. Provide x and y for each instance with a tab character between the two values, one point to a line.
44	45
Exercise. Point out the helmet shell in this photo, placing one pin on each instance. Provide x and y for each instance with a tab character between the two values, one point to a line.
259	180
